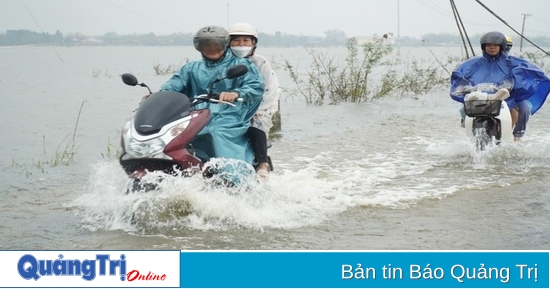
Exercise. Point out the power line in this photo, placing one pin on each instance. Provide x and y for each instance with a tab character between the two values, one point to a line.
522	30
520	34
43	33
435	7
462	29
144	16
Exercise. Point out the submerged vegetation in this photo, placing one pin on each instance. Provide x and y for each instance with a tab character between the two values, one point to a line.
112	151
365	75
168	69
61	156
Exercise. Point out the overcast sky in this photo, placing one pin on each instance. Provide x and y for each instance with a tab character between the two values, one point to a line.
299	17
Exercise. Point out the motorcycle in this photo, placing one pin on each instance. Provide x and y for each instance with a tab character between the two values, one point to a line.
166	134
488	119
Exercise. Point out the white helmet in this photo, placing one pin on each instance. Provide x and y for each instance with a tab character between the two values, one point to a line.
243	29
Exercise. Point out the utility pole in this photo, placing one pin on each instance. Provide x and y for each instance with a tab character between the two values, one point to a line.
227	15
522	28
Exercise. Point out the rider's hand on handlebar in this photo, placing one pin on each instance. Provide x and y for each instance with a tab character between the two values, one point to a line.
228	96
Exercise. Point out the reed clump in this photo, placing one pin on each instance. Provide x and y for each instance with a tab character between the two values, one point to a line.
61	156
368	72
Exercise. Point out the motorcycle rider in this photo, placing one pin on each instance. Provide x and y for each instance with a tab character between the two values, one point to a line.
228	124
243	41
509	44
529	85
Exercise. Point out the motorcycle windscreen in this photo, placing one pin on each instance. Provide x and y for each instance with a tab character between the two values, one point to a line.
159	109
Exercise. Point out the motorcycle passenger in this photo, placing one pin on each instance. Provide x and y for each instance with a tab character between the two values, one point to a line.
530	86
228	124
509	44
243	41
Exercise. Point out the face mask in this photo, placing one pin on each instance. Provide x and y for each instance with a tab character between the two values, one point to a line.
241	51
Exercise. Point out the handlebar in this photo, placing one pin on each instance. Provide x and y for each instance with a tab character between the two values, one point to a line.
213	98
486	87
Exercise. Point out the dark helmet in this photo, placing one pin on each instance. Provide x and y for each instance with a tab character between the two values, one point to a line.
493	37
211	33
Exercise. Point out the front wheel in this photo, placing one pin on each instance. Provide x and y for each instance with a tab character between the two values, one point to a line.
482	138
486	131
136	185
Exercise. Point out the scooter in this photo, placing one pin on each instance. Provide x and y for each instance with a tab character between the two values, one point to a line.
165	134
488	119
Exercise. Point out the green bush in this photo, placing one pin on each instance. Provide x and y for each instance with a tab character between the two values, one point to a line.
366	75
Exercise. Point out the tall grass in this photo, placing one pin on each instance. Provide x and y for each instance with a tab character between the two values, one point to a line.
367	72
113	150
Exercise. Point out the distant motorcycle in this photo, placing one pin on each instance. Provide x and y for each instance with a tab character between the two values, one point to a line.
488	119
166	135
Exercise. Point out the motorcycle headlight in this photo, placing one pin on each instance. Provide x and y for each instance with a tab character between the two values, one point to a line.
144	148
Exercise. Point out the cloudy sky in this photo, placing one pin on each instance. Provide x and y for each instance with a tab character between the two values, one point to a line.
299	17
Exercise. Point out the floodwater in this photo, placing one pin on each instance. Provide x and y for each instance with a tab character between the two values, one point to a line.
396	173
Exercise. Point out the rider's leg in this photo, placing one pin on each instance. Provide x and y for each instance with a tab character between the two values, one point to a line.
262	124
258	140
514	114
462	115
523	112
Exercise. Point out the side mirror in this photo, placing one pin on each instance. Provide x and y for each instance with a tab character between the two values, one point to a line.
236	71
129	79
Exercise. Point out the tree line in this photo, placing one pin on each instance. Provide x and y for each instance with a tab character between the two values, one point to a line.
333	37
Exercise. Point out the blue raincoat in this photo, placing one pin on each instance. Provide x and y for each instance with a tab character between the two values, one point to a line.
228	124
529	82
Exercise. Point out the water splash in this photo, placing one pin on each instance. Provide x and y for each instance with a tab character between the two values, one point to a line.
288	199
306	190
